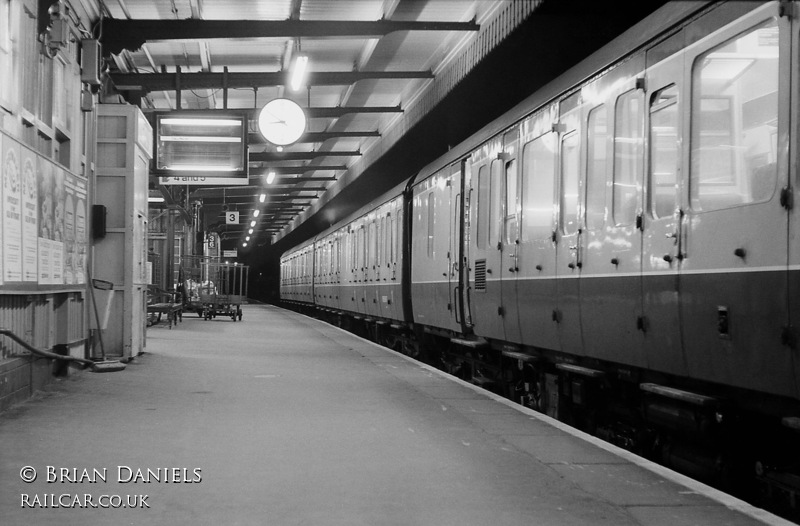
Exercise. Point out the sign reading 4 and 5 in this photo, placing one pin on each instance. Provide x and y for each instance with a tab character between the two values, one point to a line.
231	218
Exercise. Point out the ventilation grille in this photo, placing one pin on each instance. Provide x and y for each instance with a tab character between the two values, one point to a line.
480	275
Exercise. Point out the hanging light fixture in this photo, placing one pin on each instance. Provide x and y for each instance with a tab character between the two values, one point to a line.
299	69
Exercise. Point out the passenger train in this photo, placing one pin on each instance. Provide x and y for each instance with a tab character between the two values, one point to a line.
619	251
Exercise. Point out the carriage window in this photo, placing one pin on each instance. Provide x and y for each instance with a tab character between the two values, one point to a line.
380	244
387	239
482	224
356	245
511	202
538	184
370	245
628	157
664	152
431	204
735	121
394	240
496	203
570	155
596	168
351	251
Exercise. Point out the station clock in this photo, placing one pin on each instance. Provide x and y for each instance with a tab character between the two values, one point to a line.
281	122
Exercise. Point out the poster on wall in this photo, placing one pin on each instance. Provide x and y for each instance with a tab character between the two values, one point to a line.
74	237
57	244
43	231
12	212
81	191
30	218
45	197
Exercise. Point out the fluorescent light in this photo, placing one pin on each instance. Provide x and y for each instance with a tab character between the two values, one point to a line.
155	199
262	198
299	72
270	177
253	222
197	138
256	212
198	168
201	122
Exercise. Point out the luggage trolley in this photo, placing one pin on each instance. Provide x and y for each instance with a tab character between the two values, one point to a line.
224	290
212	288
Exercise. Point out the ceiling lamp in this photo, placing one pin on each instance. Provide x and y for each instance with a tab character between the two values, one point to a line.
250	231
247	238
253	223
256	212
299	72
244	244
262	198
270	179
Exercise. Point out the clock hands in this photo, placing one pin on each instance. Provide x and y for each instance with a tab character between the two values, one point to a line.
278	121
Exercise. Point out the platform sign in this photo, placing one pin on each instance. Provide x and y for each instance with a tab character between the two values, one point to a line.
230	253
231	218
202	180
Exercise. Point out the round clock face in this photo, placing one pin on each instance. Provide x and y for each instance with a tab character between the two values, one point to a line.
281	121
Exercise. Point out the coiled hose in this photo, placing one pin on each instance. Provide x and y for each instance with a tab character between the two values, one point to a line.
106	366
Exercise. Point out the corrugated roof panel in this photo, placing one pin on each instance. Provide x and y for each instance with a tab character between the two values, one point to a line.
341	10
247	10
246	55
436	10
333	54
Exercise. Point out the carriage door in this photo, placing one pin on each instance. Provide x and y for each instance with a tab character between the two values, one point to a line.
569	238
733	281
466	269
452	198
509	237
536	274
663	213
485	248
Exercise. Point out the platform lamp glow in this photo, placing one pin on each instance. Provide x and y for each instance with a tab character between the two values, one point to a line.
281	122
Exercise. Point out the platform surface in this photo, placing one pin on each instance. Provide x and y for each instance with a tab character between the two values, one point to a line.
286	420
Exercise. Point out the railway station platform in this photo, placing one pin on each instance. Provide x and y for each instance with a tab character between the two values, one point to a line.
284	420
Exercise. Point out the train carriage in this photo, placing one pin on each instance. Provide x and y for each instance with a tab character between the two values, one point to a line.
354	267
620	249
